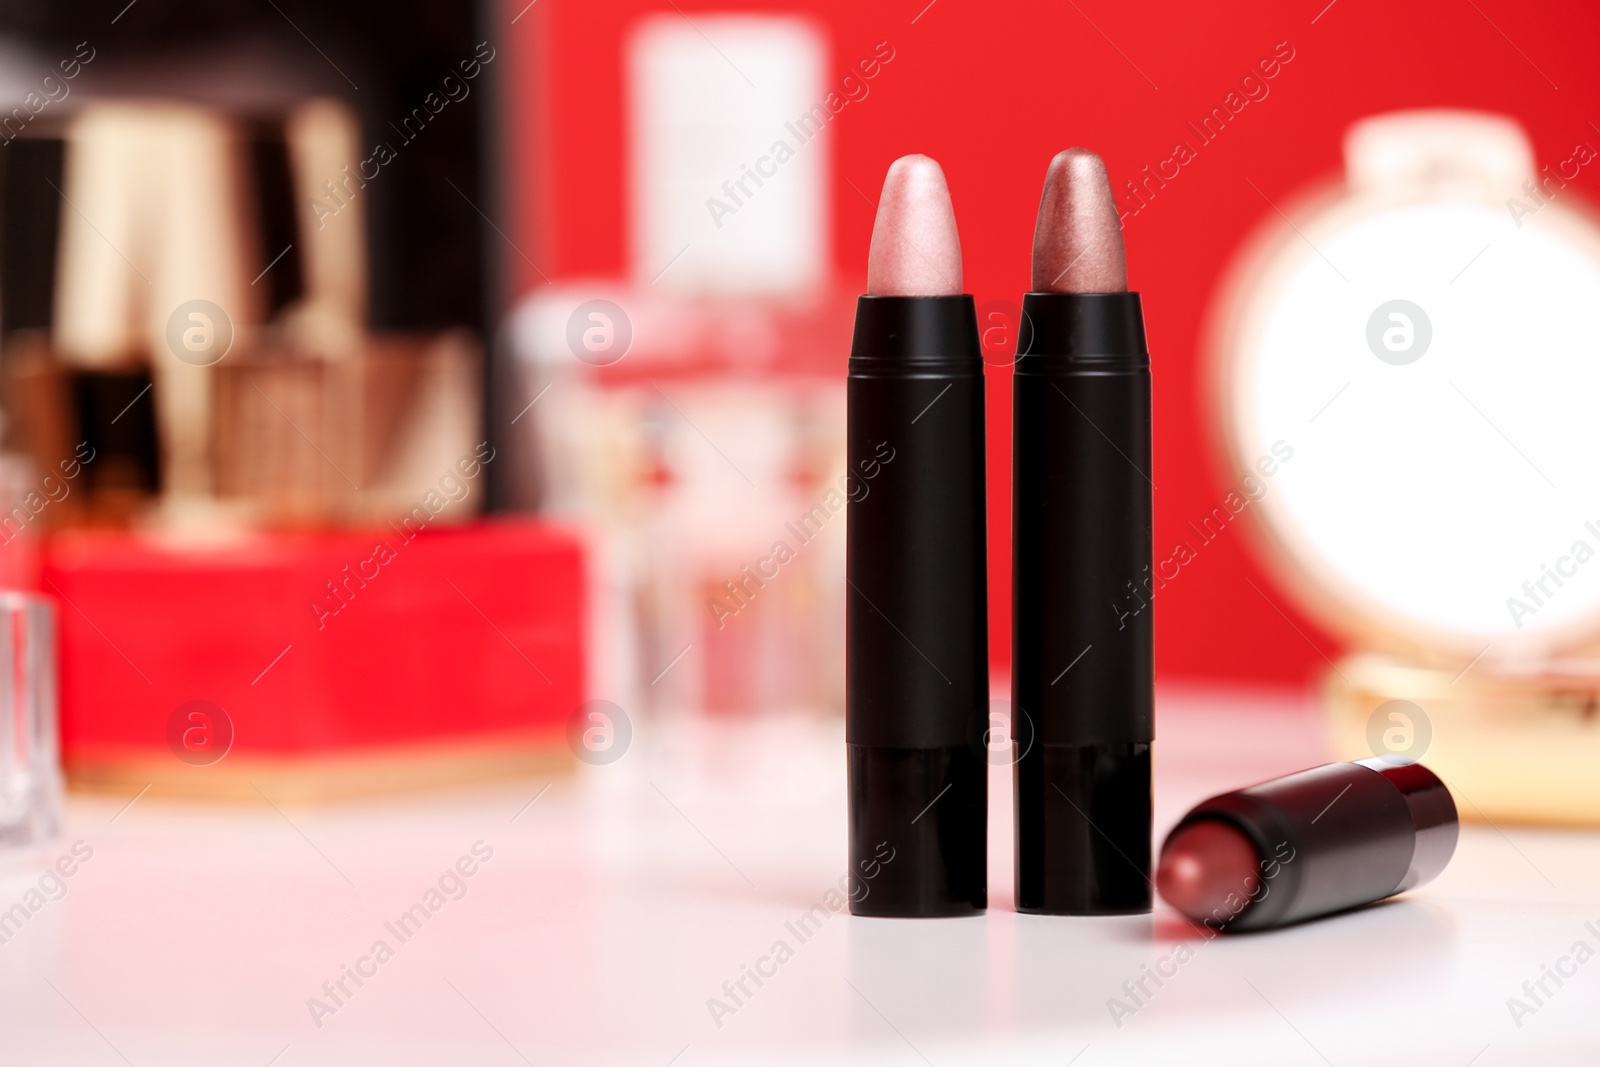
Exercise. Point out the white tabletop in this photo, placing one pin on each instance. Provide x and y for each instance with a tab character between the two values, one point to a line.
618	903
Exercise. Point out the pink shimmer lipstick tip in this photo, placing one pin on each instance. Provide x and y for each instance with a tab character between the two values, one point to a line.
915	248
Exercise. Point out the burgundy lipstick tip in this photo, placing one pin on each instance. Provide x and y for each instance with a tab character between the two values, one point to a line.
1205	864
916	250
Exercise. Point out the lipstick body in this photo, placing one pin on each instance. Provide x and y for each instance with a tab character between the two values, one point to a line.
916	633
1082	637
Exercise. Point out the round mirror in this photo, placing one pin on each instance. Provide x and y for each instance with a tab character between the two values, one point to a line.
1418	353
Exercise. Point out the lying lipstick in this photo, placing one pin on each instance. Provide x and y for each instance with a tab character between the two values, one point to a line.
1321	841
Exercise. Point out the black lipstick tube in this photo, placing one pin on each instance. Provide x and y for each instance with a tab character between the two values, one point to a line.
1335	837
1082	716
916	630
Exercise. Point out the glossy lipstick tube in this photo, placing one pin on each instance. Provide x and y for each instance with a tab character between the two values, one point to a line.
1321	841
1082	661
915	628
1082	716
916	635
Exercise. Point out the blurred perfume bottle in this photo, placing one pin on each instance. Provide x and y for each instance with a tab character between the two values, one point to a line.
691	415
30	763
166	186
712	487
225	275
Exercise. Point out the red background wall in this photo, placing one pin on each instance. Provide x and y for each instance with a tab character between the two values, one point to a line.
992	90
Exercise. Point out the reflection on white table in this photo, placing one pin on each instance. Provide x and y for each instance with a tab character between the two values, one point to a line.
597	924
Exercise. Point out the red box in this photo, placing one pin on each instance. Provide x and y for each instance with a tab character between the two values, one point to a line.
329	663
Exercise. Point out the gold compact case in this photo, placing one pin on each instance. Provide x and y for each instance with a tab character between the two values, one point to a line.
1420	337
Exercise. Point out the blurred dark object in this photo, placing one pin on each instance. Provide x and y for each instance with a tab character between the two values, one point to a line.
54	414
30	220
425	240
426	211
